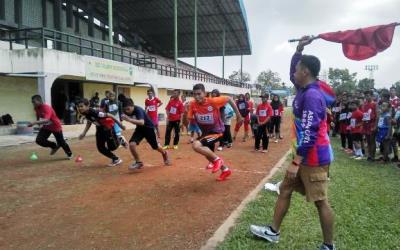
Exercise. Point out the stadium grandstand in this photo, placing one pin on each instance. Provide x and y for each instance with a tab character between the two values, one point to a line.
67	49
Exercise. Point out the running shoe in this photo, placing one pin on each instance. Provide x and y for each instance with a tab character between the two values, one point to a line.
175	147
69	157
325	247
123	142
115	162
217	164
276	141
54	150
136	165
219	148
209	166
358	158
224	175
264	151
165	147
166	159
265	232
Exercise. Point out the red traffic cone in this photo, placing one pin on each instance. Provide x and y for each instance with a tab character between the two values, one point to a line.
78	159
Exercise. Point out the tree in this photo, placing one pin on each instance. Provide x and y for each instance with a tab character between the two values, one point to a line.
366	84
269	78
342	80
235	76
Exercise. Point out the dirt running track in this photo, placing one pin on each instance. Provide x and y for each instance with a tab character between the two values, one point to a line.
52	203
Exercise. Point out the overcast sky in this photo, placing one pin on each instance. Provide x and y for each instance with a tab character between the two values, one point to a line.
273	22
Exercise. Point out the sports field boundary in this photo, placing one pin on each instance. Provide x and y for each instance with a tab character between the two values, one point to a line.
223	230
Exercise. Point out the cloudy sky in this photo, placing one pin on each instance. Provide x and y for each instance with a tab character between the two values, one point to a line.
273	22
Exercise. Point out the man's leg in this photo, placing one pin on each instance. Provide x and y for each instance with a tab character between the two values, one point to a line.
282	206
237	128
176	129
133	149
168	134
265	138
258	138
205	151
326	219
343	140
61	142
41	139
101	140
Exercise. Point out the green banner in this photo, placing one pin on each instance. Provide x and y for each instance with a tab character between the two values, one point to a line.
108	71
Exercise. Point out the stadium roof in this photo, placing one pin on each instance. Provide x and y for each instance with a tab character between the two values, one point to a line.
154	21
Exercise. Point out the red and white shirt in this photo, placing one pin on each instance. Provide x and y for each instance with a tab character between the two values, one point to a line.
264	111
151	106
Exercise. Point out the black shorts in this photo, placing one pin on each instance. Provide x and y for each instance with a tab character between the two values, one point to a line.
210	140
145	132
357	137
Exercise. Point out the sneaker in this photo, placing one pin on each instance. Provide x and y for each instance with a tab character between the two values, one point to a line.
265	233
115	162
276	141
123	142
219	148
224	175
54	150
229	145
325	247
209	166
165	147
69	157
353	156
217	164
256	149
136	165
264	151
165	158
358	158
175	147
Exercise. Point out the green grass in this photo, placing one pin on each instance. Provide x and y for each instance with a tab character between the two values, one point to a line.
365	198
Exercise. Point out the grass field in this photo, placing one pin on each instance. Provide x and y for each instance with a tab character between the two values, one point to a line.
366	201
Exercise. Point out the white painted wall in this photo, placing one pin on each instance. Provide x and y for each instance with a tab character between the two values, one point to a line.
64	64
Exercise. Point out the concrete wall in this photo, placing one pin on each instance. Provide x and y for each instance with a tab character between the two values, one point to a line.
15	97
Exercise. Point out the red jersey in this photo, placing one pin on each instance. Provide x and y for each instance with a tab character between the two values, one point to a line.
151	107
251	106
278	111
207	114
264	111
174	109
45	111
369	116
356	122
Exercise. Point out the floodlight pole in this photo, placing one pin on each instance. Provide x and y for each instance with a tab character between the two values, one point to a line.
223	53
176	33
110	22
195	35
241	68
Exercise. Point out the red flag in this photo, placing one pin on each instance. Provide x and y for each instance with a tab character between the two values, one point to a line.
363	43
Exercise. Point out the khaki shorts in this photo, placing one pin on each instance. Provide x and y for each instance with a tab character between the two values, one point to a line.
310	181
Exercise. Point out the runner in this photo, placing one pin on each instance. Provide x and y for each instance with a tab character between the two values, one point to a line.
244	110
50	124
308	172
264	113
277	111
144	129
113	107
206	112
152	103
174	111
106	139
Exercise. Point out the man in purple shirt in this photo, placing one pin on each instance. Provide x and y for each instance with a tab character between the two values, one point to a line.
308	173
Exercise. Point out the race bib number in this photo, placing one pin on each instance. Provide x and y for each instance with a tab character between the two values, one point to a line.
262	113
47	123
205	119
343	116
173	110
381	121
242	106
276	112
349	115
367	116
101	114
152	108
353	123
113	107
